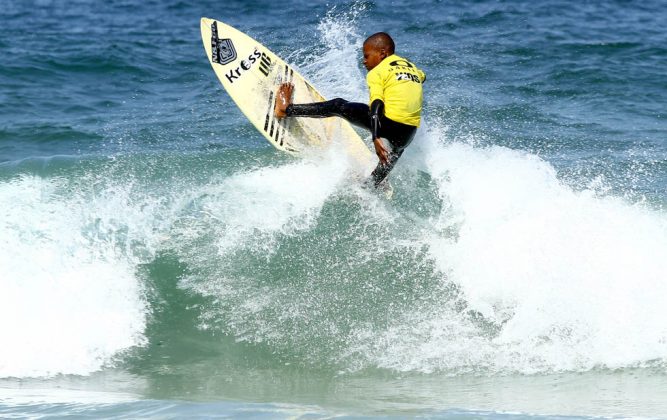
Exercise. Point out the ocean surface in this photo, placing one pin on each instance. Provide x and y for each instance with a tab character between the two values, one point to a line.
160	259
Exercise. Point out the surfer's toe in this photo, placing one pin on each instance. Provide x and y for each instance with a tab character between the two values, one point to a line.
283	99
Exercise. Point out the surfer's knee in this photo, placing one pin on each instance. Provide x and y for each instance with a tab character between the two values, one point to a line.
338	103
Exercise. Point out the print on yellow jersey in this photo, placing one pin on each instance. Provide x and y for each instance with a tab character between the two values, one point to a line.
398	83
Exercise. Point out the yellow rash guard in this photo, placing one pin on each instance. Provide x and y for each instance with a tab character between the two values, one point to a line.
398	83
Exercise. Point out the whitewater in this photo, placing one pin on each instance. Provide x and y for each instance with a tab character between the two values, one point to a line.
175	263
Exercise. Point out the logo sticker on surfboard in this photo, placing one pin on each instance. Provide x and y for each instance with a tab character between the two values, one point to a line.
223	51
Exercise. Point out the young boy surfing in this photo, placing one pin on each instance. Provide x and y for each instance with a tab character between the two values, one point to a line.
395	87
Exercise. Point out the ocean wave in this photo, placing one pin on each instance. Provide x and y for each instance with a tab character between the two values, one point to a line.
489	260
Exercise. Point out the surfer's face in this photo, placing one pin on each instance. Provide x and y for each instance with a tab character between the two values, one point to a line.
373	56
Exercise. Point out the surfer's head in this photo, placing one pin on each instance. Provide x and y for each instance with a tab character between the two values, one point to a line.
377	47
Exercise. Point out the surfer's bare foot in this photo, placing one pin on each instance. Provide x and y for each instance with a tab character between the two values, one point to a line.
283	99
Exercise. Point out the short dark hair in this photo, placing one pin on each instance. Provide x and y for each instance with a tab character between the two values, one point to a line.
381	40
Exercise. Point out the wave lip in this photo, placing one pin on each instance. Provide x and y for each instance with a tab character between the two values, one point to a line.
566	280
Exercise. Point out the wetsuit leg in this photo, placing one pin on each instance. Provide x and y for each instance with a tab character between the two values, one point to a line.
400	136
381	171
355	112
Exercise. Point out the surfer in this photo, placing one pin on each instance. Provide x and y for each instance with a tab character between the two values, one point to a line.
394	113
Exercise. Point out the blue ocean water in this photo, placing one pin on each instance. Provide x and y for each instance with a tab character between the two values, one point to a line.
158	258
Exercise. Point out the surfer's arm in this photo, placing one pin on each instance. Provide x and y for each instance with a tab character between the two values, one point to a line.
377	111
376	93
376	99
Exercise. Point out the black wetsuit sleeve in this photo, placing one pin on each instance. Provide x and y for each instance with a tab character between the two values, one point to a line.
377	112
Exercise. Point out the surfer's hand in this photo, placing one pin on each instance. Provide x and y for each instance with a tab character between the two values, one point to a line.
382	152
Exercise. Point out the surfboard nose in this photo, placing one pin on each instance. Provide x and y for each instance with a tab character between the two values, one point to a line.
205	22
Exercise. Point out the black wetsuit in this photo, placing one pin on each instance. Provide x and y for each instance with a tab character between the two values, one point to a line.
399	135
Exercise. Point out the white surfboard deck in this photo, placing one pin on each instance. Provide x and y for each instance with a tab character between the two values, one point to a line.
251	73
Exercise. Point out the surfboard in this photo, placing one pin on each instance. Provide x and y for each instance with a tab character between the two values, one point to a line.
251	73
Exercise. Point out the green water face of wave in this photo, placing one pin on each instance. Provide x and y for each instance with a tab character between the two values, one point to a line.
229	259
288	278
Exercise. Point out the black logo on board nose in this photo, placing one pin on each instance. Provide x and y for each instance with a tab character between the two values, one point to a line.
222	50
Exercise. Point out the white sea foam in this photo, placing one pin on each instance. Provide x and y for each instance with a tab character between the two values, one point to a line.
337	71
70	299
551	279
263	202
568	279
563	279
